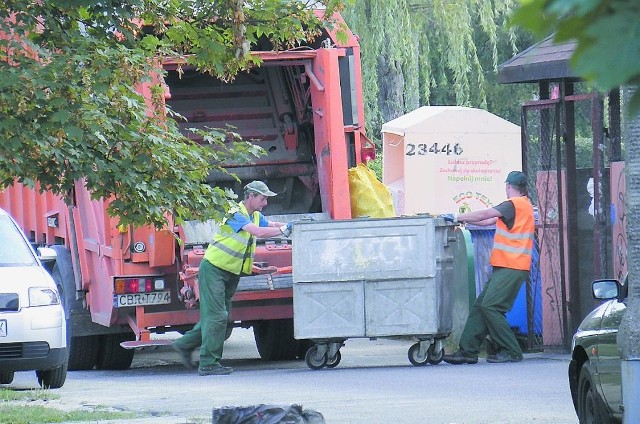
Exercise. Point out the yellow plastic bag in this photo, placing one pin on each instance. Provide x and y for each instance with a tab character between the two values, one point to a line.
369	197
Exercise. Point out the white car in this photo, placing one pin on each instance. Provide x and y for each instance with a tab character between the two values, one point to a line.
32	321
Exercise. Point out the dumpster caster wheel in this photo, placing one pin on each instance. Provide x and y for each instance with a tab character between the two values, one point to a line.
312	360
333	362
414	357
435	358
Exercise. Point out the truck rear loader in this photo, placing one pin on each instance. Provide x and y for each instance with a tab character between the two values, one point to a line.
121	287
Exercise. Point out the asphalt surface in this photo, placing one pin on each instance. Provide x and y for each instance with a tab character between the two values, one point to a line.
374	383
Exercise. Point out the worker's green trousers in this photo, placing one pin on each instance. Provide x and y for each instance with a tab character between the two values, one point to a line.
487	315
217	287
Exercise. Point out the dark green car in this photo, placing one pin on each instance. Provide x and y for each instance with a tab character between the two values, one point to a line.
594	370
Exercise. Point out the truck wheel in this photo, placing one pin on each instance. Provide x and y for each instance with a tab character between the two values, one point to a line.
303	346
591	408
52	379
62	274
274	340
112	356
6	377
229	330
83	352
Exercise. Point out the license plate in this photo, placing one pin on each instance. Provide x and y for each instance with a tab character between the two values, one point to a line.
3	328
141	299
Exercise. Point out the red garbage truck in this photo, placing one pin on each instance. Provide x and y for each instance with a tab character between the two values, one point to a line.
121	287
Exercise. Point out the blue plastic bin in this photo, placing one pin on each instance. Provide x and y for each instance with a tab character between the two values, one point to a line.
482	239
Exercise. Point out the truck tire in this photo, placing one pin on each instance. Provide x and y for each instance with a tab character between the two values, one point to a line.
112	356
83	351
303	347
274	340
52	379
229	330
6	377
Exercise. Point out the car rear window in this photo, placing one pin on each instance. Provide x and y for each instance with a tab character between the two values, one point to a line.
14	250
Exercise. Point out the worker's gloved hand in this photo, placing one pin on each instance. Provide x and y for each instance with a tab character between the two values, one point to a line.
449	217
286	229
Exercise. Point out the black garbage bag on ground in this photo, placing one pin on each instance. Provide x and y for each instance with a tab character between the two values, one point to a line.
266	414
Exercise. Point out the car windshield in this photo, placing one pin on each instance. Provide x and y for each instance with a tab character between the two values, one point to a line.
14	251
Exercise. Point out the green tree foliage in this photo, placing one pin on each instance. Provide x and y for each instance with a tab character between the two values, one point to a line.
70	102
436	52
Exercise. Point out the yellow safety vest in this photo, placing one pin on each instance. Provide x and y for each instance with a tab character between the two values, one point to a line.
512	247
233	251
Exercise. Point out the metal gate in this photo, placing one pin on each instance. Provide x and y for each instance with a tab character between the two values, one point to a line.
566	232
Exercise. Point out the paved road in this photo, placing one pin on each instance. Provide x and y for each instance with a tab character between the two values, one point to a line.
374	383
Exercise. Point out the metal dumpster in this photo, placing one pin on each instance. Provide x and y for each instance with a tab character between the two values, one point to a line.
372	278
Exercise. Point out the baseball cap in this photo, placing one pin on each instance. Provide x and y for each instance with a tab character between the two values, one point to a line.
260	188
516	178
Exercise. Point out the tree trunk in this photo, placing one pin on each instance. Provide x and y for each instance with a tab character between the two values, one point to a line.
391	85
629	335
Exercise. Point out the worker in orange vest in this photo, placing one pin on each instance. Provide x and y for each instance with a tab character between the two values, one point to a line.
511	262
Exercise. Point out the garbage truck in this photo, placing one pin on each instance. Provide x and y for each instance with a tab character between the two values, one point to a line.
122	288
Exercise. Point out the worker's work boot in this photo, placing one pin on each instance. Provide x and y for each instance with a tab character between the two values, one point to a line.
185	356
460	357
502	357
216	369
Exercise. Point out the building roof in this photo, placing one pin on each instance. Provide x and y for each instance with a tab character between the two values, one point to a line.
545	60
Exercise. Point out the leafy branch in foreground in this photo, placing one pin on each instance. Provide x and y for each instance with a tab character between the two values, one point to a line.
71	108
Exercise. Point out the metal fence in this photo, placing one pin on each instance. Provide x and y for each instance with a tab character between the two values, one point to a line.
556	135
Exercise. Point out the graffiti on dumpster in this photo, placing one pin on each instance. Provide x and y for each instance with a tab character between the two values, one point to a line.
367	253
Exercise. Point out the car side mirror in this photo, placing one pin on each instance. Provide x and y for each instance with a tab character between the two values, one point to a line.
605	289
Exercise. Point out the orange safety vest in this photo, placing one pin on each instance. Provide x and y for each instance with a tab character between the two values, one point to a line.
512	248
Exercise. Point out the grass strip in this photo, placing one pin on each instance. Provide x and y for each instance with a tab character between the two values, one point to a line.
26	414
15	409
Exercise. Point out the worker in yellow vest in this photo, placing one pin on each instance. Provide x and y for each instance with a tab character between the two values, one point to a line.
228	256
511	262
